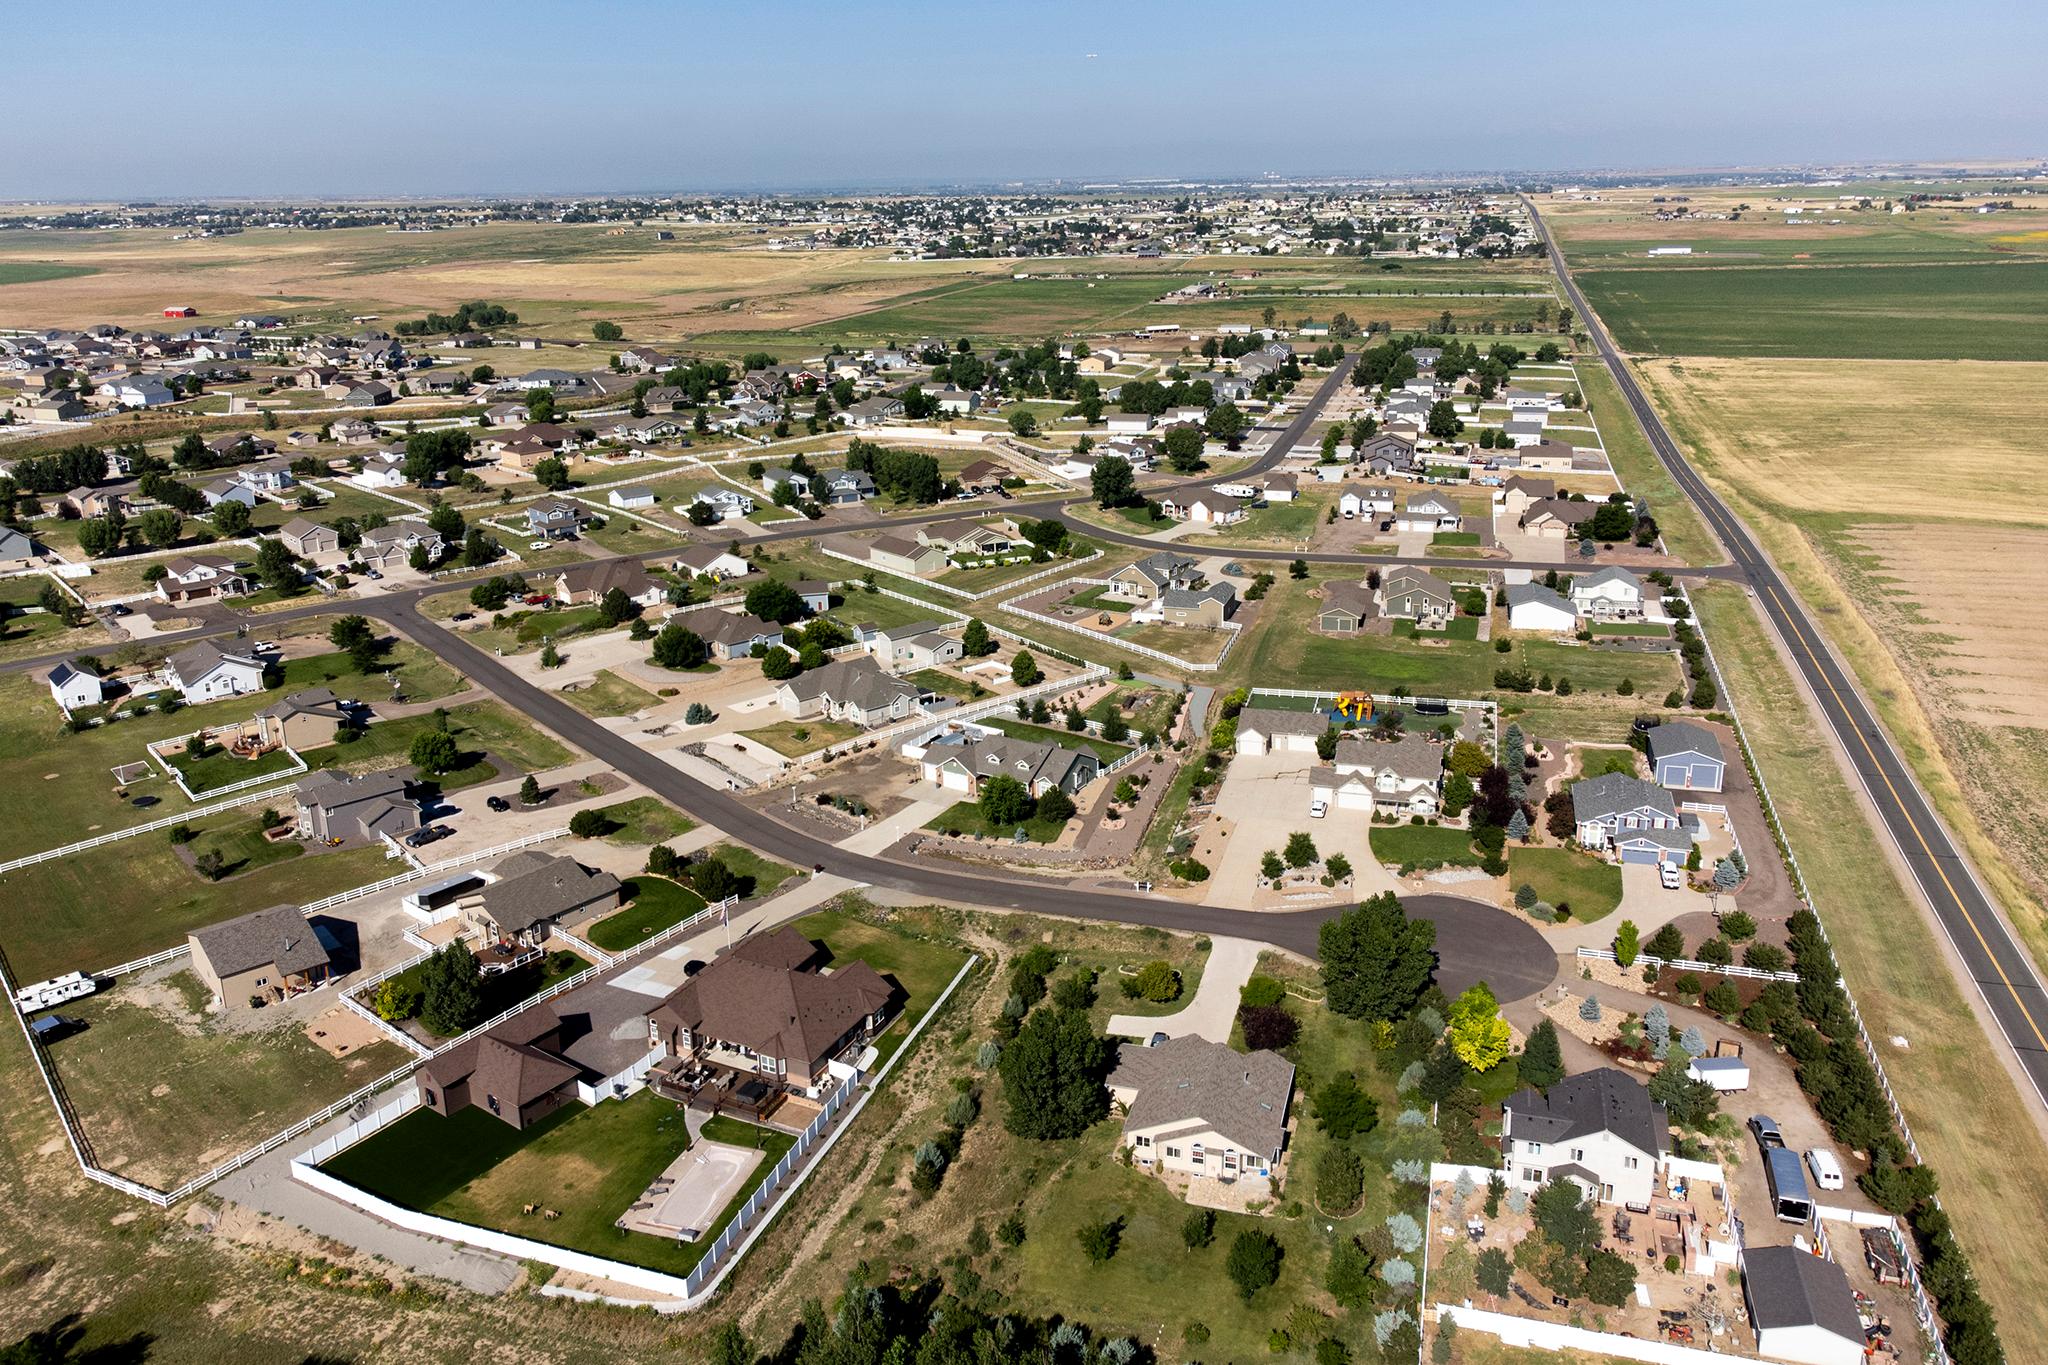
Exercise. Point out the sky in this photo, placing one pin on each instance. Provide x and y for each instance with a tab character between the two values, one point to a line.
230	99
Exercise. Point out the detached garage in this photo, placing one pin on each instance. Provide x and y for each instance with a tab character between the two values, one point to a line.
1685	757
1802	1307
1266	730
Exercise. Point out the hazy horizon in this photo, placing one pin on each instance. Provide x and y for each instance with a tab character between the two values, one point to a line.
531	97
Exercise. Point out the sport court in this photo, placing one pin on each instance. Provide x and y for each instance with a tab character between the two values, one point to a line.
688	1197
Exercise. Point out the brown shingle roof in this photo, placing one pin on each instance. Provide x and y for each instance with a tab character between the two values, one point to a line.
277	936
758	997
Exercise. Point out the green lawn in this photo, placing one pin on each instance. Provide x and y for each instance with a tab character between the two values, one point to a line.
920	966
945	684
760	876
1562	876
1459	538
965	817
1596	761
221	767
1457	628
479	728
608	694
503	990
1655	630
795	738
657	903
241	843
645	820
1103	749
421	676
1397	845
136	897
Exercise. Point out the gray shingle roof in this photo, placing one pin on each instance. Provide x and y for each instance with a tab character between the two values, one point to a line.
1411	756
1787	1287
1596	798
1267	720
278	935
1602	1101
1243	1096
534	887
1682	737
1522	594
857	680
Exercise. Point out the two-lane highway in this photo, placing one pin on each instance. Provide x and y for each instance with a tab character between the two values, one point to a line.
2003	973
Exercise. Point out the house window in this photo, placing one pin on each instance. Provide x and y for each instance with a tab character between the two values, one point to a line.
1578	1154
1533	1148
1173	1152
1630	1163
1532	1175
1143	1141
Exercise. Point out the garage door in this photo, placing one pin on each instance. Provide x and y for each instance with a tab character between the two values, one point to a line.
954	781
1639	853
1251	744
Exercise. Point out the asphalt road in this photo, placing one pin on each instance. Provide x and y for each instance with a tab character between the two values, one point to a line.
1474	941
1996	963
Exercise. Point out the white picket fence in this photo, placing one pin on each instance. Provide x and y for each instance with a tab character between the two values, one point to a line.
1054	570
1686	964
112	836
299	765
968	711
1230	629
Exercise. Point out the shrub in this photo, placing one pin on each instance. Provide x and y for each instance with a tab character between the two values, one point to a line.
1157	982
1340	1179
1267	1026
1261	990
1253	1263
1099	1239
1198	1229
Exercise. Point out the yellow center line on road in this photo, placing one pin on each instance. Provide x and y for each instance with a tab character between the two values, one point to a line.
1911	823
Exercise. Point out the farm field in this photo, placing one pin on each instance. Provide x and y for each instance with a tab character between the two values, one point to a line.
1950	1080
1876	312
1897	564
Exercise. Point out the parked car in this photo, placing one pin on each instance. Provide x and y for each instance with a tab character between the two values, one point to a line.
1670	876
536	545
1318	808
50	1027
1827	1172
497	803
1767	1132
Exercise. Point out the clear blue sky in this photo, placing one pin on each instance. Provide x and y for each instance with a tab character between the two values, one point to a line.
229	98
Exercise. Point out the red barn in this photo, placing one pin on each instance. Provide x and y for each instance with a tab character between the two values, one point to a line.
181	310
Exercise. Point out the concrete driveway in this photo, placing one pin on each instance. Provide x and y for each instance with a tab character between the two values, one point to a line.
1265	798
1214	1008
1645	900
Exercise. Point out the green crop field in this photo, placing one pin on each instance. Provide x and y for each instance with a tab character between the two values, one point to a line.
29	272
1875	312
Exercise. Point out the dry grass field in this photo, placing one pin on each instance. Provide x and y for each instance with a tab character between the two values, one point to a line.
1950	1079
1918	439
1899	498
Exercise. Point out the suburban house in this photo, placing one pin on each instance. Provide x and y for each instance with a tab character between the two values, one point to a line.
390	546
228	490
775	476
767	1012
1521	492
515	1071
1430	512
1346	608
1205	508
1609	594
583	583
204	672
1386	454
730	634
262	956
534	891
1598	1129
708	561
1397	775
1377	501
964	764
1264	730
635	495
1407	593
333	805
1198	1110
983	476
1629	817
1208	606
1524	428
1531	606
1151	576
309	539
1532	400
840	487
1558	518
17	549
851	689
644	359
73	686
1802	1307
902	555
918	644
308	719
1685	757
870	412
955	402
1280	488
965	539
1545	456
200	578
556	519
730	503
1128	423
